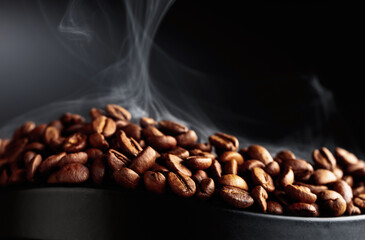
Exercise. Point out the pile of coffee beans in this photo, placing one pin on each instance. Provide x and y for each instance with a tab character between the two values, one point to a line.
165	157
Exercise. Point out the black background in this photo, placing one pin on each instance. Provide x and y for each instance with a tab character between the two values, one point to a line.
257	49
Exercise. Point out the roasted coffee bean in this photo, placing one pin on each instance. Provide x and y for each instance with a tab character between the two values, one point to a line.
300	194
4	178
57	124
281	196
303	210
35	146
199	176
79	157
332	203
129	146
3	144
154	182
51	163
323	177
18	176
75	128
198	152
175	164
93	153
236	197
187	139
260	153
104	125
284	155
151	131
180	152
351	209
32	167
215	170
97	170
181	184
121	124
244	153
323	158
159	168
70	173
126	177
75	143
359	201
14	152
229	155
205	189
172	128
24	130
118	112
349	180
260	177
338	172
274	208
144	160
224	142
146	121
133	131
162	143
51	136
351	169
198	162
71	119
301	168
36	135
233	180
116	160
28	157
273	168
314	188
344	189
205	147
248	165
345	157
97	140
359	189
231	167
96	112
287	177
260	196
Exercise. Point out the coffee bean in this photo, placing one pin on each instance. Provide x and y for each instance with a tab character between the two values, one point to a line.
18	176
231	167
205	147
69	119
224	142
75	143
359	201
351	209
3	145
323	158
284	155
35	146
332	203
314	188
349	180
116	160
303	210
36	135
351	169
300	194
236	197
181	184
96	112
359	189
187	139
344	189
287	177
121	123
230	155
260	177
205	189
162	143
197	162
260	196
146	121
233	180
323	177
199	175
129	146
126	178
248	165
154	182
151	131
301	168
133	131
28	157
282	197
274	208
273	169
93	153
118	112
175	164
97	140
32	167
345	157
79	157
51	136
24	130
180	152
104	125
260	153
338	172
198	152
172	128
215	170
144	160
4	178
70	173
97	170
57	124
159	168
51	163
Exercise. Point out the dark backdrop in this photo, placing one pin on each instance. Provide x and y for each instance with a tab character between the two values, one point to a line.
258	50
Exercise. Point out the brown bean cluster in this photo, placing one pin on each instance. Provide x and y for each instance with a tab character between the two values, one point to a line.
165	158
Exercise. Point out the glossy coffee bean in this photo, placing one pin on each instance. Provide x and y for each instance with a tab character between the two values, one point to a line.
300	194
332	203
236	197
303	210
176	164
199	175
260	153
224	142
205	147
180	152
215	170
104	125
345	157
187	139
323	177
133	131
260	177
79	157
154	182
233	180
198	152
287	177
351	209
93	153
323	158
273	169
231	155
314	188
32	167
248	165
129	146
24	130
36	135
70	173
181	184
116	160
198	162
18	176
96	112
75	143
117	112
231	167
98	169
274	208
51	163
284	155
162	143
344	189
260	196
301	168
205	189
146	121
71	119
359	201
126	178
97	140
144	160
172	128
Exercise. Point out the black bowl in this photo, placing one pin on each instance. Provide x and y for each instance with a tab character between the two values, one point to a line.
93	213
